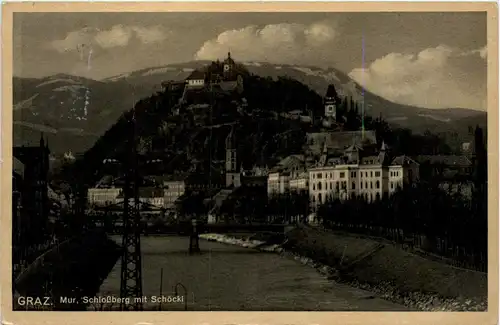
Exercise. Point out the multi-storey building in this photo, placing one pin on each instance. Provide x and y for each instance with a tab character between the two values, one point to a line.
102	196
300	182
288	174
355	173
173	188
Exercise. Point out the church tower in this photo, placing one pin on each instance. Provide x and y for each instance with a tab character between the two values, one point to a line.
228	67
331	101
232	172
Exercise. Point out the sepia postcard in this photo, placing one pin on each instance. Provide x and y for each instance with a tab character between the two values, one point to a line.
334	160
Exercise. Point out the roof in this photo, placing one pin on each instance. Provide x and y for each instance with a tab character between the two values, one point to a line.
339	140
105	180
370	160
292	161
17	166
403	161
448	160
353	148
229	60
331	92
196	75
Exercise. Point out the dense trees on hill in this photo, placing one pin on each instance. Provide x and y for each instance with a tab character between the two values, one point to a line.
281	95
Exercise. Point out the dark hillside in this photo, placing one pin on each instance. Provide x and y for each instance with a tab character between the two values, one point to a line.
188	142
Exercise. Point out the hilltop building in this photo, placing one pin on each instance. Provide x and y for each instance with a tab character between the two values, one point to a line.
196	79
229	67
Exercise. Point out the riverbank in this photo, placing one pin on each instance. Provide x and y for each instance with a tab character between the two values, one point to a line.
381	268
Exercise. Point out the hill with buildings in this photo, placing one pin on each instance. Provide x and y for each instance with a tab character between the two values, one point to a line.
82	109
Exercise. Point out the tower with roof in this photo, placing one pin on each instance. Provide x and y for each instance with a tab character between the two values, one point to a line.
331	101
228	67
232	172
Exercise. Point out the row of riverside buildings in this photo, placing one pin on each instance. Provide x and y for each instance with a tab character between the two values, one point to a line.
328	169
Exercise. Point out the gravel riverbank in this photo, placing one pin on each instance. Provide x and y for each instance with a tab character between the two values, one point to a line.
414	300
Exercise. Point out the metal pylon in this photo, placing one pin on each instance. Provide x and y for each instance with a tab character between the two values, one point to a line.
131	268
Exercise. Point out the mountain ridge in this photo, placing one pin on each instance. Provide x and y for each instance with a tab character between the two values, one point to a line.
65	102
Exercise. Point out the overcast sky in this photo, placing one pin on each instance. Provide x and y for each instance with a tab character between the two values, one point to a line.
428	59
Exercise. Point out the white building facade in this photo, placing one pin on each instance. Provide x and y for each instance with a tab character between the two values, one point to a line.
173	189
300	182
103	196
346	181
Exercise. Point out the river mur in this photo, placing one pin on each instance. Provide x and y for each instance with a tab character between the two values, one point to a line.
413	301
242	274
235	277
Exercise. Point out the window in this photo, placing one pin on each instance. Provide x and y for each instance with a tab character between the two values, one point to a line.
378	184
342	175
314	187
378	196
331	175
377	174
371	174
366	184
361	185
371	184
320	175
319	186
337	186
353	185
314	176
392	185
313	199
331	185
319	198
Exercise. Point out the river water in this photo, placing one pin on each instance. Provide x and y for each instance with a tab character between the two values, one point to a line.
231	278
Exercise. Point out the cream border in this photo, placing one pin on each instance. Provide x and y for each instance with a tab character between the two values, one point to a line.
260	318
